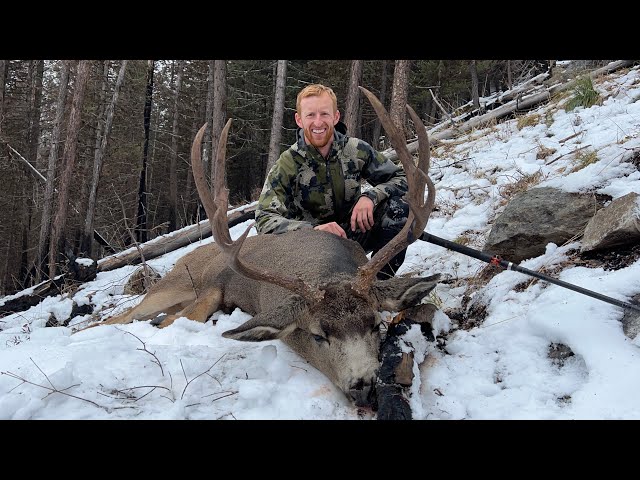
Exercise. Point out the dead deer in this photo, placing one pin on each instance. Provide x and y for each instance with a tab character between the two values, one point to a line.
315	291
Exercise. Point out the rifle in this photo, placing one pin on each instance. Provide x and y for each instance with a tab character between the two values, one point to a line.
499	262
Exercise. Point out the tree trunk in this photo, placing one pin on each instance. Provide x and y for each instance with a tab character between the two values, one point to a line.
173	174
141	216
85	239
353	99
473	68
208	115
434	105
4	64
383	99
47	205
68	159
509	75
33	140
399	94
278	114
219	114
190	201
98	161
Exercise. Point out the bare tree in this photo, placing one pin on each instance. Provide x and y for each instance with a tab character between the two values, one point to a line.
278	114
68	158
85	240
434	106
98	162
211	64
473	69
141	217
383	100
173	174
3	80
36	72
219	106
352	107
47	206
400	94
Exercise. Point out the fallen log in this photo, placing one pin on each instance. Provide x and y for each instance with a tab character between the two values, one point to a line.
169	243
24	301
76	273
520	103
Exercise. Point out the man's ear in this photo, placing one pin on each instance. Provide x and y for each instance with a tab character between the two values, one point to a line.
298	120
336	117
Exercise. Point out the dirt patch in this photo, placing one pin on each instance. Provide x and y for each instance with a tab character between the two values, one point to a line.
609	259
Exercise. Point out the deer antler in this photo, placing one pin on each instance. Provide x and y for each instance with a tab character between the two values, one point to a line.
216	209
417	178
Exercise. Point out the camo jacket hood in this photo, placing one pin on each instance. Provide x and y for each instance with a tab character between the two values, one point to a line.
304	189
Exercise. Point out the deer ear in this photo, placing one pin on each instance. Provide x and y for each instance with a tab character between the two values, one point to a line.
396	294
275	323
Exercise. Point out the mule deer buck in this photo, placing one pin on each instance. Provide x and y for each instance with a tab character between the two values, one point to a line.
314	290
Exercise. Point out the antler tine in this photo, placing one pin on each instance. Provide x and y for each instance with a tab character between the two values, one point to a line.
417	178
424	162
216	209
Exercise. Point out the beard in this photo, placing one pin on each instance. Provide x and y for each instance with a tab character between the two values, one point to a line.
319	142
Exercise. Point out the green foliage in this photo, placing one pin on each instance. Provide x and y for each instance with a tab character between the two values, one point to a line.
584	95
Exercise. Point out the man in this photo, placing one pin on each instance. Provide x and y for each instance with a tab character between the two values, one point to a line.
316	183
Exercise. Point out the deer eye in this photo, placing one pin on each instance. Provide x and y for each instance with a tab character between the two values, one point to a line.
319	339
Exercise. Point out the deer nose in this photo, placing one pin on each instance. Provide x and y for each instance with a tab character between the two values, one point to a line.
363	393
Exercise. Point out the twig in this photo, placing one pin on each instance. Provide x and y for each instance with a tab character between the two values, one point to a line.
441	107
199	375
144	349
51	389
223	396
225	415
192	284
568	153
127	397
569	137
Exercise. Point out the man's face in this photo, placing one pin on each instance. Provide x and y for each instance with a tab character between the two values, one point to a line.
317	119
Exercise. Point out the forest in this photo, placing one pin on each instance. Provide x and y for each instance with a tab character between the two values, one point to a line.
95	154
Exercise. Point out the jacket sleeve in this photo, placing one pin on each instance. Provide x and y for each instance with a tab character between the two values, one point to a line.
387	178
276	211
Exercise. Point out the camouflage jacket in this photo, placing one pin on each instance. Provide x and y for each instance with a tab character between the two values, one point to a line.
303	189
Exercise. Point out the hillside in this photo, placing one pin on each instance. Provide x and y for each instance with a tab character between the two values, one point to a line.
496	366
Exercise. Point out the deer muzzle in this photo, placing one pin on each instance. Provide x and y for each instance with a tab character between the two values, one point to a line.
362	393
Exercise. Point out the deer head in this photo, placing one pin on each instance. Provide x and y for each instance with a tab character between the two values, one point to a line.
330	315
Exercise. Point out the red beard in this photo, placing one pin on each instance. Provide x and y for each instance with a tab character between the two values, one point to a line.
319	142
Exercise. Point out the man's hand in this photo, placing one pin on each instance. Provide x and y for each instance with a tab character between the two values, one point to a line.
362	214
332	227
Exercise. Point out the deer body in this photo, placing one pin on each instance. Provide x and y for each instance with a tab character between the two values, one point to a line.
340	338
314	290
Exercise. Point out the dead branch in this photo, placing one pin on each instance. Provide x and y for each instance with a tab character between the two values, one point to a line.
199	375
51	389
144	349
568	153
